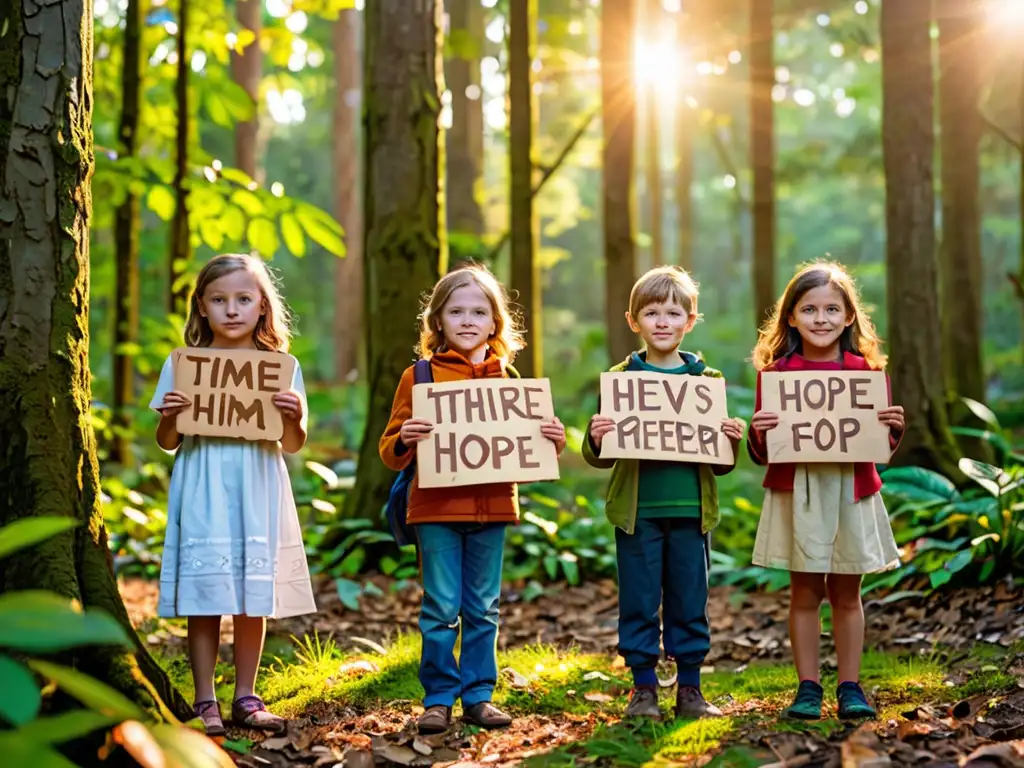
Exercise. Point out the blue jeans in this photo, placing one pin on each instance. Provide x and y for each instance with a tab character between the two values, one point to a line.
461	571
666	556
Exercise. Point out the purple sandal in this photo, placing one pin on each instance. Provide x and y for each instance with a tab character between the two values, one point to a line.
249	711
209	713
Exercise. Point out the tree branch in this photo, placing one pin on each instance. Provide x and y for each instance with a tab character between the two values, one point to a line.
1001	133
726	159
549	171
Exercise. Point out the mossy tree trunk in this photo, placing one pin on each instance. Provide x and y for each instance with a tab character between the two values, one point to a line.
762	155
466	136
685	136
405	244
348	272
126	241
618	116
181	243
526	279
908	145
247	71
47	447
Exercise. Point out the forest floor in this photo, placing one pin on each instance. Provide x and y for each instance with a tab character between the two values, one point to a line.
946	673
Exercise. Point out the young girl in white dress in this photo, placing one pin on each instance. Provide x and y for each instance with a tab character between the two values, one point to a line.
825	523
233	544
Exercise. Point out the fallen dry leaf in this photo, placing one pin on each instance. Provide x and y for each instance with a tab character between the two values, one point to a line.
598	697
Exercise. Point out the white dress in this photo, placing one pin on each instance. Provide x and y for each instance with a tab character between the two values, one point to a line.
233	543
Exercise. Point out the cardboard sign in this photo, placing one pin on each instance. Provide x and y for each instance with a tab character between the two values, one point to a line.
231	391
485	431
665	416
826	416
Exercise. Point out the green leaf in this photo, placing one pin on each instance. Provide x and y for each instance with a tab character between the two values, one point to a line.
216	108
212	234
349	592
959	561
992	479
160	201
91	692
66	726
262	236
322	229
918	484
236	175
999	442
294	239
982	411
19	751
247	201
232	223
21	699
938	578
29	531
42	622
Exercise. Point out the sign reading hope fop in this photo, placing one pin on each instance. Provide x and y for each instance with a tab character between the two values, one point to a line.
485	431
231	391
665	416
826	416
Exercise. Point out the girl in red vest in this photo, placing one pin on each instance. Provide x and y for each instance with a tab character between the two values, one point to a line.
825	523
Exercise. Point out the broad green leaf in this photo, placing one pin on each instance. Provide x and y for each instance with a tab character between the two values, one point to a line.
294	239
18	751
160	201
30	531
66	726
959	561
348	592
42	622
262	236
212	234
232	223
982	411
20	700
992	479
999	442
247	201
237	175
90	691
186	748
216	108
940	577
322	229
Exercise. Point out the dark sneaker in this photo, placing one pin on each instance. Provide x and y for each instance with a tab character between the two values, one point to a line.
807	704
853	704
437	719
691	704
644	703
486	715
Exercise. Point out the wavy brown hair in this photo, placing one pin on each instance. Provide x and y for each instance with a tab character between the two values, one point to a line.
272	332
777	339
507	338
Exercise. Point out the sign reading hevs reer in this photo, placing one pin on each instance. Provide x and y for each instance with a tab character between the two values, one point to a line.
826	416
485	431
665	416
231	391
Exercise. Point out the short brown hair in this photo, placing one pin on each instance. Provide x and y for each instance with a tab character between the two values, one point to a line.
663	284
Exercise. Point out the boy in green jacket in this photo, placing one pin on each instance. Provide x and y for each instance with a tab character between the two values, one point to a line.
663	512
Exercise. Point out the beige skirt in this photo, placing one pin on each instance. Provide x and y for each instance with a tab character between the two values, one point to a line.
819	528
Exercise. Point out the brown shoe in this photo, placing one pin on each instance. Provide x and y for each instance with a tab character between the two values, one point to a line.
437	719
644	703
486	715
691	704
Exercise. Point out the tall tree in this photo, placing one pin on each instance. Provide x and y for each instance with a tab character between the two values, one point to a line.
685	130
247	69
181	244
348	275
618	116
405	242
126	240
653	31
526	279
960	26
465	144
48	460
762	154
908	145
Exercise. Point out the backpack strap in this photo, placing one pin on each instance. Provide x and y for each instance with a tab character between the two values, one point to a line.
422	373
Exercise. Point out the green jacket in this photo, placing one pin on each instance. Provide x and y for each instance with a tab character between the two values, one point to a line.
620	506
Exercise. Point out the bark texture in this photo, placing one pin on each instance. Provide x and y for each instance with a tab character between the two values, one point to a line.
908	143
126	241
762	155
247	70
526	279
618	115
466	137
348	274
686	126
653	19
47	447
181	244
961	23
405	243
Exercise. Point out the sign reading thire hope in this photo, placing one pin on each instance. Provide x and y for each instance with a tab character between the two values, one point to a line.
485	431
826	416
665	416
231	391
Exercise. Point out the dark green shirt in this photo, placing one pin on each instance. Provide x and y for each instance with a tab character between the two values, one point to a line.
668	488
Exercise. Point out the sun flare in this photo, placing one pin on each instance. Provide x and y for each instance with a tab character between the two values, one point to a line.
661	65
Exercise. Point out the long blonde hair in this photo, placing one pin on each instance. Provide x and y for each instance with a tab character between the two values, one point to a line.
507	338
777	339
272	332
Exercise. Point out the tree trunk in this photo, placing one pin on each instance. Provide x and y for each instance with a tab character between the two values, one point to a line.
762	156
686	127
348	274
653	18
181	245
618	116
908	144
405	242
961	23
526	282
247	70
47	448
466	137
126	242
